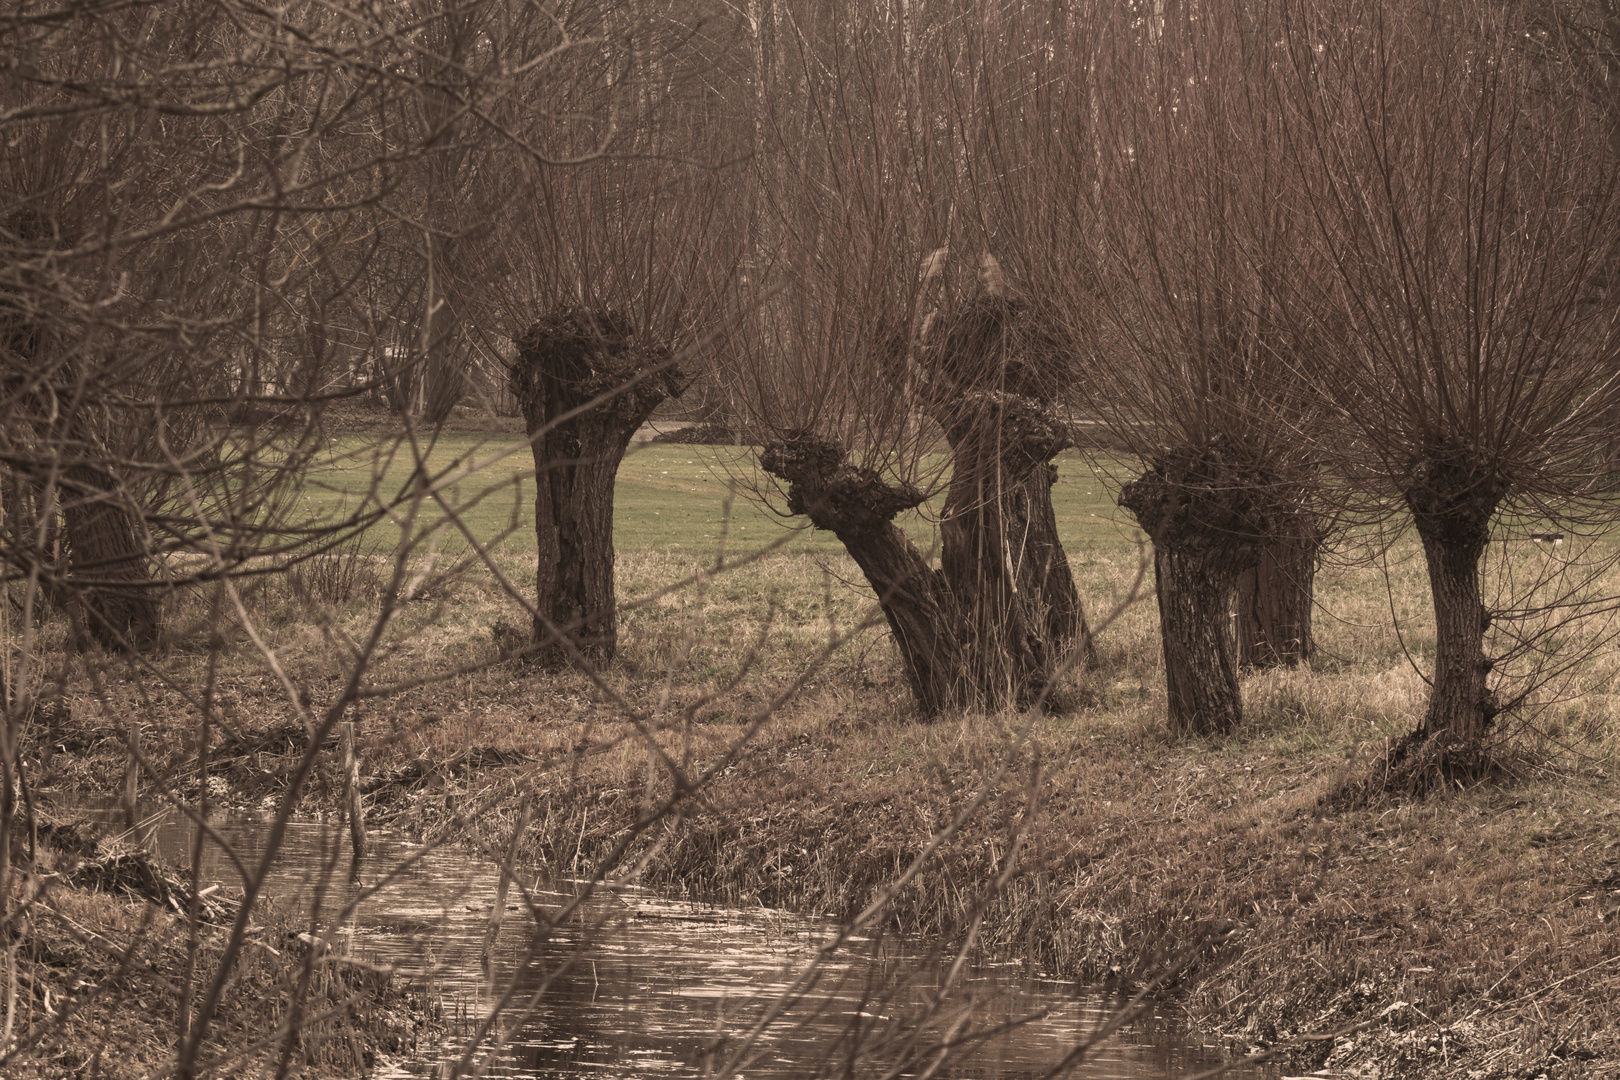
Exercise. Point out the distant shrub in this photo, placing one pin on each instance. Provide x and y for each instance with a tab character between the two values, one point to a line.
698	435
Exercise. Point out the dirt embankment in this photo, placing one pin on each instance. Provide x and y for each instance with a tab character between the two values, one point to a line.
107	970
1474	935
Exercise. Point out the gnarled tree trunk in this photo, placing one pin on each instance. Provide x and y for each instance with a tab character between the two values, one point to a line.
988	629
858	507
1205	529
1006	588
1451	504
989	381
1275	597
585	387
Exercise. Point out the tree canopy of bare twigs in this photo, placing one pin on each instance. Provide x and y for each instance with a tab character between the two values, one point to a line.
1453	318
884	325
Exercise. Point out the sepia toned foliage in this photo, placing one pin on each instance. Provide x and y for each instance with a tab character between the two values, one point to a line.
1291	275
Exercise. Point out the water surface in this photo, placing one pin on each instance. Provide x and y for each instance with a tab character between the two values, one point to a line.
628	983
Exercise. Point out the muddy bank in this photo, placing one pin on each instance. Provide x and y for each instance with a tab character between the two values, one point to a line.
106	969
1474	936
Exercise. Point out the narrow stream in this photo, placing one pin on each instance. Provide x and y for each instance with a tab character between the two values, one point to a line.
636	984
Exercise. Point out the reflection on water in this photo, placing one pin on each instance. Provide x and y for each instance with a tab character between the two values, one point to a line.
632	984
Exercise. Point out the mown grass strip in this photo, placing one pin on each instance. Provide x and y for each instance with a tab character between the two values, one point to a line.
677	498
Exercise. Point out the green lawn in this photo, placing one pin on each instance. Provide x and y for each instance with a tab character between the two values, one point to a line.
668	497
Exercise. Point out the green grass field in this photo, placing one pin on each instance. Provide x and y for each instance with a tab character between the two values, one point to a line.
670	498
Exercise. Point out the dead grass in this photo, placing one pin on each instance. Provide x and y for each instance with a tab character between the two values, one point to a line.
1475	933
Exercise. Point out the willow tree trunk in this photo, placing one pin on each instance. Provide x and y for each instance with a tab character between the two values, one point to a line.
1007	659
1001	447
1452	503
444	369
1194	583
859	507
108	569
1275	601
584	387
1205	529
989	378
1044	574
1460	703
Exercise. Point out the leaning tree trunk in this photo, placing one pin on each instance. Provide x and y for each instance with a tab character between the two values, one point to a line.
585	387
1001	446
1043	572
858	507
1451	504
1204	530
1276	597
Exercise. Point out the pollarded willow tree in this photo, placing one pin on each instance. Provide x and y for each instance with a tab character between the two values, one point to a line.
160	295
1187	367
989	373
607	274
586	379
897	318
1460	331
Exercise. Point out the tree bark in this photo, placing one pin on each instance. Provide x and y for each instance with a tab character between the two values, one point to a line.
1044	572
444	371
1452	501
1206	528
585	387
1460	703
1276	600
858	507
918	616
988	380
1001	446
1194	583
108	569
